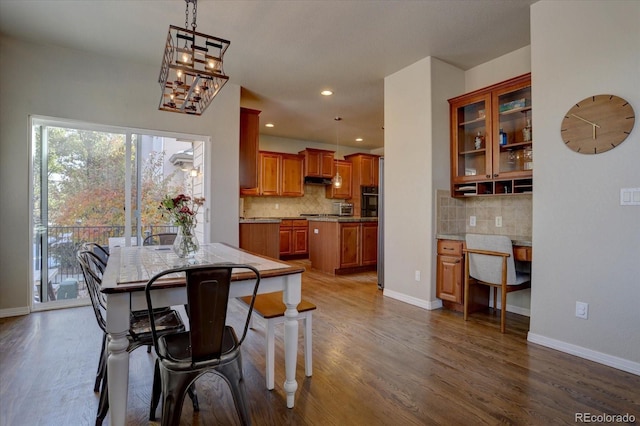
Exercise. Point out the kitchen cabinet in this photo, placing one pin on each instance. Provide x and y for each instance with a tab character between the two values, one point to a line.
492	140
249	143
260	238
294	238
343	247
345	191
318	163
364	173
450	279
450	275
280	174
358	244
365	169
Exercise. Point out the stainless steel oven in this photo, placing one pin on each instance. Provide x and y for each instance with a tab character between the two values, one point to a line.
369	201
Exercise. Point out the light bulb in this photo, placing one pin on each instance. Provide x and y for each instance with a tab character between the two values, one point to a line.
186	57
337	181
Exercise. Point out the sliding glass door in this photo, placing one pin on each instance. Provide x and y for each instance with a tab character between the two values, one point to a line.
99	184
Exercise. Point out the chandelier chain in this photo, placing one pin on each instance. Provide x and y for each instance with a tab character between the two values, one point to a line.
186	14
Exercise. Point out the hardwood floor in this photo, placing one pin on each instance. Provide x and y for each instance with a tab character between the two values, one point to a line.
376	361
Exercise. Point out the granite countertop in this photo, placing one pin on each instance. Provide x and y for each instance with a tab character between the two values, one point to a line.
309	218
517	240
260	220
341	219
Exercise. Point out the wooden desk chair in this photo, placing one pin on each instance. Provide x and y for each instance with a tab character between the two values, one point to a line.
489	261
269	306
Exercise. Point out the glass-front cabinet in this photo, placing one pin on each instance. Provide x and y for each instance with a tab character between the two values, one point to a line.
492	140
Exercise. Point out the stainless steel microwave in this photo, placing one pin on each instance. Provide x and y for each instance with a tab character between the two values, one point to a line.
342	209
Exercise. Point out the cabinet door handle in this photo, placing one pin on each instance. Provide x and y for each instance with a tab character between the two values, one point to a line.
448	248
488	176
495	175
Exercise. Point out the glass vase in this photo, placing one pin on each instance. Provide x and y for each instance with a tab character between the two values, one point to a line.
186	243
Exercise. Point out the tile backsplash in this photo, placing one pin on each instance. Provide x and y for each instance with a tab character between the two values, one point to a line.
314	201
454	214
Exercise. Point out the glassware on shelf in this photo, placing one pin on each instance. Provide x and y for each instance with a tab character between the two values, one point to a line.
526	132
478	141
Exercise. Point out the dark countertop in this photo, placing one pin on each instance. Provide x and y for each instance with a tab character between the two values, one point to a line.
341	219
261	220
517	240
309	218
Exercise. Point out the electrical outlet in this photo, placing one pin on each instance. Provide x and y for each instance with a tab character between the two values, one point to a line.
277	206
582	310
498	221
472	221
417	275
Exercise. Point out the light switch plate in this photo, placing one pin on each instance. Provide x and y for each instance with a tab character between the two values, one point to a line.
630	197
498	221
472	221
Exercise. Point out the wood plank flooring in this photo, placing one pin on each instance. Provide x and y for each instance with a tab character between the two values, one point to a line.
376	361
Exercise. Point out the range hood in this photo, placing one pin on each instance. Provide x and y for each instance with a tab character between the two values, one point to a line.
312	180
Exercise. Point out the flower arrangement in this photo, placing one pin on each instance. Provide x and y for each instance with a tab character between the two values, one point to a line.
182	211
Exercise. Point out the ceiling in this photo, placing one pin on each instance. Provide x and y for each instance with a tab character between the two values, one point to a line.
283	53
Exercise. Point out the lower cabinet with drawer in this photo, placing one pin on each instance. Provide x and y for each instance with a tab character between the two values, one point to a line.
450	279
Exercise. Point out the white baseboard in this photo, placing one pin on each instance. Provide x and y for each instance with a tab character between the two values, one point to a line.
595	356
425	304
14	312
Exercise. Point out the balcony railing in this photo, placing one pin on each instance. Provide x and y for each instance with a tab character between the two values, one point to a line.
64	242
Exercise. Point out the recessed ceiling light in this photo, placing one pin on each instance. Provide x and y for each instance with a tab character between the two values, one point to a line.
269	125
326	93
359	139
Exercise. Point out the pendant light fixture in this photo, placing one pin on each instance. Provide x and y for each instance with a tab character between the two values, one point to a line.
191	74
337	179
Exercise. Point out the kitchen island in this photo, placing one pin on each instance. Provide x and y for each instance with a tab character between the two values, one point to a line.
343	245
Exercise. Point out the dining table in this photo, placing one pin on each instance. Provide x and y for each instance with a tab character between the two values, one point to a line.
127	272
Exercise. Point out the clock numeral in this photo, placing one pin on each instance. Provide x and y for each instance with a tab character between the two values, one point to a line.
625	104
593	99
628	133
630	118
595	150
613	145
610	97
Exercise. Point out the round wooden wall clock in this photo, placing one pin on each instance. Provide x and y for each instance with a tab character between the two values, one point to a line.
597	124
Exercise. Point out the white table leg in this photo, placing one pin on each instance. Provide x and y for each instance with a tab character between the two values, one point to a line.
291	298
118	361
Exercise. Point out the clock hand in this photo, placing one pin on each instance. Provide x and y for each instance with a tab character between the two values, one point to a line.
586	121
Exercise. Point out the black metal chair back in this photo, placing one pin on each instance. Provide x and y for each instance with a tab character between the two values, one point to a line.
209	345
162	239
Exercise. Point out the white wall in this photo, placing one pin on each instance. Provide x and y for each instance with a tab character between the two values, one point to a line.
293	146
586	246
49	81
412	101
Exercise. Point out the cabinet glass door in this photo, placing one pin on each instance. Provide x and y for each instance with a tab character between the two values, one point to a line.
473	140
513	132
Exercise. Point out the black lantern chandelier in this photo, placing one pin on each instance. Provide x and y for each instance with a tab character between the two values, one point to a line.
191	74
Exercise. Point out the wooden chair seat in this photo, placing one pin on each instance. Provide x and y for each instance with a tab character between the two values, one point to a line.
269	306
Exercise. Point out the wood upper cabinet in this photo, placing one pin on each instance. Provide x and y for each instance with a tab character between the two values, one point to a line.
292	167
270	173
249	142
281	174
365	170
345	192
318	163
492	140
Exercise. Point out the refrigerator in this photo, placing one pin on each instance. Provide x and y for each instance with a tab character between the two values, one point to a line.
381	224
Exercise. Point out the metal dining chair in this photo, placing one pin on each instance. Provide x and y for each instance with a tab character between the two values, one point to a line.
210	345
139	331
162	239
